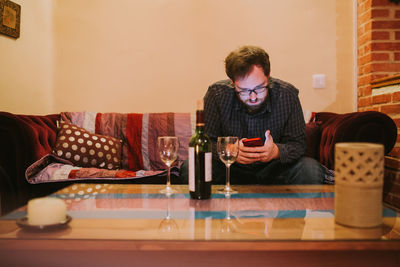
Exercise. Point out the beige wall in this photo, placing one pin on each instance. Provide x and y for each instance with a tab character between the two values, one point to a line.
26	63
161	55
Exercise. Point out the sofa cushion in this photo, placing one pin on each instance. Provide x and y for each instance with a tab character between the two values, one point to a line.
367	126
85	149
139	132
313	138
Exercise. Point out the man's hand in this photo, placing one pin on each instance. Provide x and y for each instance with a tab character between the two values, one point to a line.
265	153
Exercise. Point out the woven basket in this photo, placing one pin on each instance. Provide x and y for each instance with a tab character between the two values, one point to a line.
359	169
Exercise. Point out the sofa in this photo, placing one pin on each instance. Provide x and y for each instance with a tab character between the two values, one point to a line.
34	163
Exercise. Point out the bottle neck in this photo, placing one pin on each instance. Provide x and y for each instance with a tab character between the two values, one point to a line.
199	121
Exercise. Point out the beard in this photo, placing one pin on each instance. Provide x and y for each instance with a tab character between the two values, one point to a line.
253	108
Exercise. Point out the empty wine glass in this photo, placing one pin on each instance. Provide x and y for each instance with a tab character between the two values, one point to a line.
168	148
228	150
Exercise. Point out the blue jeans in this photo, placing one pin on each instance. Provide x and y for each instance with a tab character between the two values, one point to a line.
303	171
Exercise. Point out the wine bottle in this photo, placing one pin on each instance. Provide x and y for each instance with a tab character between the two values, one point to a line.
200	159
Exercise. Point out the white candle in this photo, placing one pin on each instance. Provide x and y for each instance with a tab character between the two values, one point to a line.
45	211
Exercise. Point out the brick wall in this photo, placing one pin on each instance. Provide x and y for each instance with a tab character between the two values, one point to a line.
378	33
386	98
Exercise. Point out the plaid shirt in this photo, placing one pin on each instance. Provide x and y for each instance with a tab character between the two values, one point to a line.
282	114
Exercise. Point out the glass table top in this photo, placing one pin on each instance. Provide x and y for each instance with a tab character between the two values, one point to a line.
256	213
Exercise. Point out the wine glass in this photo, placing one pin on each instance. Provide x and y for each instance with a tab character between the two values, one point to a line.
168	148
228	150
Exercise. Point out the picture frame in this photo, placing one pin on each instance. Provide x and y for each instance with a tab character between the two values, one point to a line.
10	18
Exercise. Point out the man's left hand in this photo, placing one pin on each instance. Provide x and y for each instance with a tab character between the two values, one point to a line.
265	153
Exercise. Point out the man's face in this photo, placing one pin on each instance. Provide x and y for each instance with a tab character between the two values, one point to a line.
252	89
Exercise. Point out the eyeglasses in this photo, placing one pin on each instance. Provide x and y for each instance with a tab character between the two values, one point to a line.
247	92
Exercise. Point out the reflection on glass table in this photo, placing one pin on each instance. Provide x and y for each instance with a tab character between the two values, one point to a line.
141	212
168	226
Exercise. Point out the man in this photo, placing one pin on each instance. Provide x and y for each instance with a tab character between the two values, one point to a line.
253	104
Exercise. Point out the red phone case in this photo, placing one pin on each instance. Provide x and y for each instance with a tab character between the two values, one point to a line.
253	142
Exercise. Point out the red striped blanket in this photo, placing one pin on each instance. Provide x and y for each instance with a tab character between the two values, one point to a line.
138	132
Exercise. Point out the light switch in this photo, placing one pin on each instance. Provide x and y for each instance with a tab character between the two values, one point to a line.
319	81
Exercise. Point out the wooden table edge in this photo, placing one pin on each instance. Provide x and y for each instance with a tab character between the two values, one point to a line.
161	245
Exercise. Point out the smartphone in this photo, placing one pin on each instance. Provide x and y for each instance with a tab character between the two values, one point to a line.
253	142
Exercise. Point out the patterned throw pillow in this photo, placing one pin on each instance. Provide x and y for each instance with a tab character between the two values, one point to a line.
85	149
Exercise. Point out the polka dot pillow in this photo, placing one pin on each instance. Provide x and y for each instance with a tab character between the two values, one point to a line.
85	149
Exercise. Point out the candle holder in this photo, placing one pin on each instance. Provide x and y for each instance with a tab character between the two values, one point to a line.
359	169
